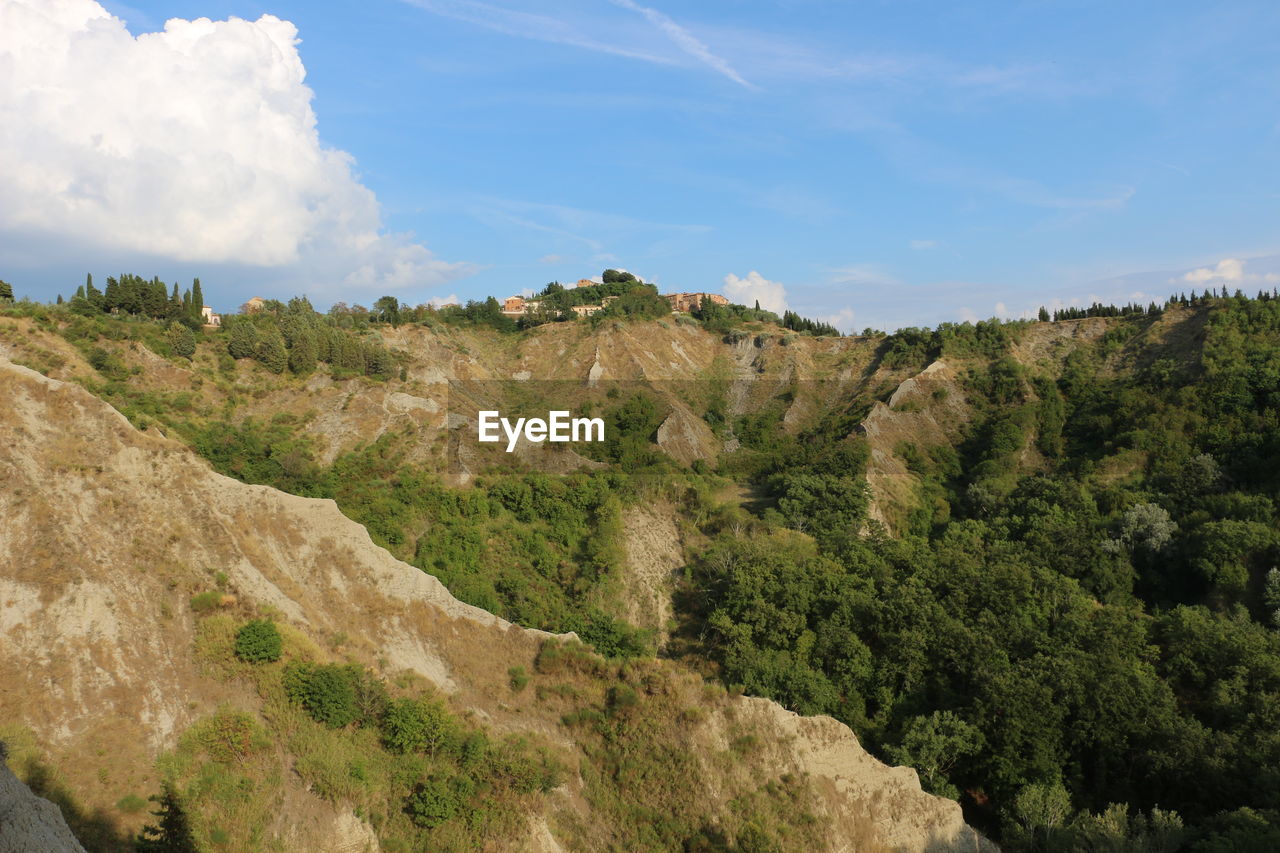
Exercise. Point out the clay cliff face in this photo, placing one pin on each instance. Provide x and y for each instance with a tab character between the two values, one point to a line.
108	533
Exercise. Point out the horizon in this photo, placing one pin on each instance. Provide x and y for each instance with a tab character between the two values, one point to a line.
868	167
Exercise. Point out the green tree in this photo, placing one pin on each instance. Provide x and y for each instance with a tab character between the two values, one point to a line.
1038	816
242	339
418	725
271	353
171	833
181	339
303	355
258	641
6	291
933	744
387	309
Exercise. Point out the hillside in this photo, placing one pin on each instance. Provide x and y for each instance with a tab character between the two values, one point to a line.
112	536
1033	561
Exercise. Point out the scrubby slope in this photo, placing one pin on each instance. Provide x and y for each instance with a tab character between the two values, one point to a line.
110	532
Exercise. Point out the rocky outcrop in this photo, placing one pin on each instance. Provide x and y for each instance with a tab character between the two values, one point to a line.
874	807
29	823
925	410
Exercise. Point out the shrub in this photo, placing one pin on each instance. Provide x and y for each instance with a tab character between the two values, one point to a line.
418	725
436	800
258	641
205	601
326	692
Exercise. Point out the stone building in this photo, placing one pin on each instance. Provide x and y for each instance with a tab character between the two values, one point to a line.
686	302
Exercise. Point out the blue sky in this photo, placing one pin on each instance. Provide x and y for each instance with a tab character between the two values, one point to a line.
874	163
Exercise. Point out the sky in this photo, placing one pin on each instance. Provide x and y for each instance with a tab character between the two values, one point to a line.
872	163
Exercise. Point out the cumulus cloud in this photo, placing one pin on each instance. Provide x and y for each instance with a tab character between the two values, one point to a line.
197	143
755	287
1228	271
842	319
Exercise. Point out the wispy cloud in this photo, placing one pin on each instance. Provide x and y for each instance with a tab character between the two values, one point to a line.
565	31
530	25
597	230
685	40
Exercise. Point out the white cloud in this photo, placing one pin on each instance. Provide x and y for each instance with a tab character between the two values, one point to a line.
920	245
441	301
555	29
1228	269
842	319
747	291
197	143
685	40
551	259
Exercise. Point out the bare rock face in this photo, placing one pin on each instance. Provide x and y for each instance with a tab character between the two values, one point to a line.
873	806
109	532
29	823
924	410
684	437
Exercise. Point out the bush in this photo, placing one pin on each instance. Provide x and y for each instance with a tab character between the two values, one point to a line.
436	800
327	692
418	725
205	601
258	641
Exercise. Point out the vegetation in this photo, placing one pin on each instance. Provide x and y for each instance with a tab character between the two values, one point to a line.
1075	631
1089	654
258	642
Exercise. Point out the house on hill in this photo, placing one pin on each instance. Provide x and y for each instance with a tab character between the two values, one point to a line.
253	306
516	306
686	302
209	317
586	310
586	282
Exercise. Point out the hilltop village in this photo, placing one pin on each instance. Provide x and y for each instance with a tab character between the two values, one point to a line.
681	303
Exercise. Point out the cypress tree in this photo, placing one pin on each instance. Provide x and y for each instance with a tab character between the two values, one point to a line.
271	352
197	298
95	297
243	341
111	297
303	354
